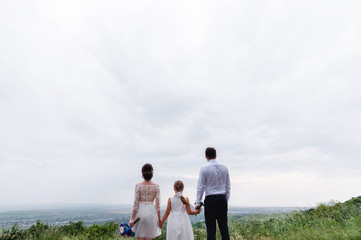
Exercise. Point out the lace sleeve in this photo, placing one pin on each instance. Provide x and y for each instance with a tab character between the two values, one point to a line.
136	198
157	199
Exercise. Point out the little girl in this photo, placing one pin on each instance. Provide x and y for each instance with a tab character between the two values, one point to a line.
179	226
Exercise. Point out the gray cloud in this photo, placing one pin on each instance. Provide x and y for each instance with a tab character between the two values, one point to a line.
90	91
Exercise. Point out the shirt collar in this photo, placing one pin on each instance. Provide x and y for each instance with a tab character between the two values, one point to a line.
213	161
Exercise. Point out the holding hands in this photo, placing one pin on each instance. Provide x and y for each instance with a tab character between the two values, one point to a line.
188	209
197	209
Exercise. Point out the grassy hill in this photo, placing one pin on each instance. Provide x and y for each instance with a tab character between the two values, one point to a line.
327	222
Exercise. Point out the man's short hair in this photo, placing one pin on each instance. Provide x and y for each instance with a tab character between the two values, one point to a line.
211	153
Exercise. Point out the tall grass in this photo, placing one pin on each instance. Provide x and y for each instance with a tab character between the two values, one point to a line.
341	221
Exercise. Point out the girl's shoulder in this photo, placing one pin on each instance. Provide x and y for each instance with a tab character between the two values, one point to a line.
175	197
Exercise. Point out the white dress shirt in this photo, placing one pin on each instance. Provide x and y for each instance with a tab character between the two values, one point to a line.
213	179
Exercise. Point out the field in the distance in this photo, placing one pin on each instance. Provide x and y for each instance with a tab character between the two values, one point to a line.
100	214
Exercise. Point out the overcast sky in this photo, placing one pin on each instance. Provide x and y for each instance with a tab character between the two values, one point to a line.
91	90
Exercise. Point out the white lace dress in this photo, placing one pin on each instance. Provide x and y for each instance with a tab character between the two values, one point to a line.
179	226
147	204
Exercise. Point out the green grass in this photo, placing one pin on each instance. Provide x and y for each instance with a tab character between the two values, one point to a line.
341	221
72	231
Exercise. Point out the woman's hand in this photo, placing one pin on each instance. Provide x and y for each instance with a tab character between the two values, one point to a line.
161	224
131	223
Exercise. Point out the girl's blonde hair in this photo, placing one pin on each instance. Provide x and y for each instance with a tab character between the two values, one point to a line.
179	186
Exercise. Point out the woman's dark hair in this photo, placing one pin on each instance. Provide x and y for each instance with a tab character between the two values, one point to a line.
147	171
211	153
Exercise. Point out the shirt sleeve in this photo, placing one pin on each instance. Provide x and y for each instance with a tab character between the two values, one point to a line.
157	198
228	186
136	198
200	187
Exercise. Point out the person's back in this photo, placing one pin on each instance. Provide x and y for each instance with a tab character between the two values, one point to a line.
215	178
147	193
214	182
177	206
179	226
146	206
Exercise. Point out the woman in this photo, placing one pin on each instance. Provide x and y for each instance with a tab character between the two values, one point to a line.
146	206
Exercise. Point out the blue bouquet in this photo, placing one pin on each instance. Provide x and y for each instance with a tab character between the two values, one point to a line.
125	230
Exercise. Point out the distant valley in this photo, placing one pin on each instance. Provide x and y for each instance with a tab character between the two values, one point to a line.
100	214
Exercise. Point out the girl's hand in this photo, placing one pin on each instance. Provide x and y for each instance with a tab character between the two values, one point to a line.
161	224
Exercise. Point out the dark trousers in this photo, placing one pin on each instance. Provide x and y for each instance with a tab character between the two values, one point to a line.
215	209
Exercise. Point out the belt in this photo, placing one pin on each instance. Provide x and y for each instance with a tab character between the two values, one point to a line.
215	195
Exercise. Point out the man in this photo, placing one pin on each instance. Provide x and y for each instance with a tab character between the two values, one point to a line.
214	182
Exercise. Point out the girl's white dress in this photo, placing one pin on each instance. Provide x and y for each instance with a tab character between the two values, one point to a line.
147	204
179	226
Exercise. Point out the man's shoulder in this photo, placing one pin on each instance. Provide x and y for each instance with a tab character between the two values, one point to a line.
203	167
211	165
222	166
